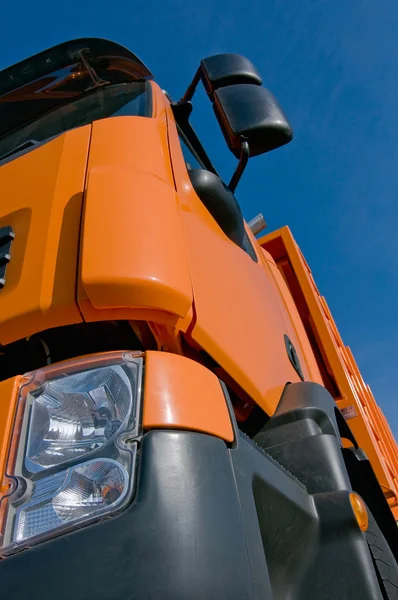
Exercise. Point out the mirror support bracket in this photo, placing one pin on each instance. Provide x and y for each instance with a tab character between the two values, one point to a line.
241	166
192	87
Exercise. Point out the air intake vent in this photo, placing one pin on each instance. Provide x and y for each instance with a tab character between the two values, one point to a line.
6	237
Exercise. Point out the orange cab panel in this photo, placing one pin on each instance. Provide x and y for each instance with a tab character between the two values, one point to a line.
41	199
138	143
182	394
239	318
133	247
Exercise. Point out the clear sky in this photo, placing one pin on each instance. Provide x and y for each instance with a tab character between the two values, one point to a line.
333	65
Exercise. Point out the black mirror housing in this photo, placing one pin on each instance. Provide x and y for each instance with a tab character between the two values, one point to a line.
227	69
220	202
253	113
249	116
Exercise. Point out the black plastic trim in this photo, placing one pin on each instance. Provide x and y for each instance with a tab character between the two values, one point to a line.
252	112
221	70
61	74
181	539
365	483
62	56
344	429
7	236
220	202
210	522
306	401
303	436
313	547
231	414
293	357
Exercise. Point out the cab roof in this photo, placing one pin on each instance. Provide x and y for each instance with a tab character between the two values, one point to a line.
60	74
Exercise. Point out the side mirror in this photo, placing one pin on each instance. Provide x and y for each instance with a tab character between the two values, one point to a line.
227	69
220	202
253	113
250	117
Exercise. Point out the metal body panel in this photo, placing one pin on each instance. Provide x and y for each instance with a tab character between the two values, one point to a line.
42	196
182	394
240	320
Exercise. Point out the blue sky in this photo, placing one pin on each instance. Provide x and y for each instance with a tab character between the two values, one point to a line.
333	65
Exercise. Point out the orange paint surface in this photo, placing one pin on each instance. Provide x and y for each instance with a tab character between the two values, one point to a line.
41	198
133	246
179	393
294	326
240	320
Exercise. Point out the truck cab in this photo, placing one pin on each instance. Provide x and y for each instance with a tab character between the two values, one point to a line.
180	417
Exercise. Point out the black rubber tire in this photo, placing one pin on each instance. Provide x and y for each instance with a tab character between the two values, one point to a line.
383	559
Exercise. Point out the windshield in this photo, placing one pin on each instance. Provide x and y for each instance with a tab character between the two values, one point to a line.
122	99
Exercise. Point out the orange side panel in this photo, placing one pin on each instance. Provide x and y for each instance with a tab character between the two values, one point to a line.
41	198
240	320
143	260
182	394
137	143
351	393
133	247
295	327
8	401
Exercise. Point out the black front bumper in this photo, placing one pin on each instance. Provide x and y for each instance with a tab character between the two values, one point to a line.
207	522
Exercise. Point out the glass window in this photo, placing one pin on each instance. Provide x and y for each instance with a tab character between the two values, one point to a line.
248	248
192	161
122	99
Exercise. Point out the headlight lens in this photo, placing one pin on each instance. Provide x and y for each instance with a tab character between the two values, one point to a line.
76	415
73	454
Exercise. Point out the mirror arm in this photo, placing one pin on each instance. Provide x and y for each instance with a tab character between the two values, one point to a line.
192	87
243	159
182	111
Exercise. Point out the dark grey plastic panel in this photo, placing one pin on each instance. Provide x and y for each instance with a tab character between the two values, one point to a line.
207	523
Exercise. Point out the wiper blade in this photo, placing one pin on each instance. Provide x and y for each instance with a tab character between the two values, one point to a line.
20	148
84	56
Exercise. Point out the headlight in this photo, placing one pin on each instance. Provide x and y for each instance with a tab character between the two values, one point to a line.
75	415
72	455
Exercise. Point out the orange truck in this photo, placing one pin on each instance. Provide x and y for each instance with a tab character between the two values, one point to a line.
179	417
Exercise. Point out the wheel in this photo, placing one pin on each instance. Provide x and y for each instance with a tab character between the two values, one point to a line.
383	559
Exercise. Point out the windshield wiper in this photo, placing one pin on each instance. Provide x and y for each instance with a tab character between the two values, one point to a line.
20	148
83	55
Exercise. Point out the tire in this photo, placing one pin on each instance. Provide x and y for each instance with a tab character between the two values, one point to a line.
383	559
